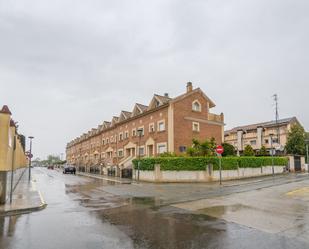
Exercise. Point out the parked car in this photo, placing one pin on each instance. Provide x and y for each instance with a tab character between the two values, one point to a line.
69	169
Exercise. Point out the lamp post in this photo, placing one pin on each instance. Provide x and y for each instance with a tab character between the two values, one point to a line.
307	153
30	156
140	133
272	153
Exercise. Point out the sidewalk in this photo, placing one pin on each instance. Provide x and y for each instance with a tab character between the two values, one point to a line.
107	178
26	198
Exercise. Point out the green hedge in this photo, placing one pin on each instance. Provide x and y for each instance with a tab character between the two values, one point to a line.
200	163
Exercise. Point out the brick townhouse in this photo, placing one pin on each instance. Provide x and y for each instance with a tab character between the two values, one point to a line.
165	125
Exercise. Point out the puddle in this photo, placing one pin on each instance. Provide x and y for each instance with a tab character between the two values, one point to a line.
220	211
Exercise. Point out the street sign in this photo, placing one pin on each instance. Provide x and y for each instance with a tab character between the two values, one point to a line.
219	149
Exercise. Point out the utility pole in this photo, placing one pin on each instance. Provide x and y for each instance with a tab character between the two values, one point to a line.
275	96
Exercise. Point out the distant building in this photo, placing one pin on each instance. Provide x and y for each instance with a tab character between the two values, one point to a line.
258	135
166	125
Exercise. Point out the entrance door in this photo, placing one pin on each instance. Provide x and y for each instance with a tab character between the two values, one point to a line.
150	150
297	163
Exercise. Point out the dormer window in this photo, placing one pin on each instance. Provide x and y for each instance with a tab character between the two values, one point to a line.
196	106
157	104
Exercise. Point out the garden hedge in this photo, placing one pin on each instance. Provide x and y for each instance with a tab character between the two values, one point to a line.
200	163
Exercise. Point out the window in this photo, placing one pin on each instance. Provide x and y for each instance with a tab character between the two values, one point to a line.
133	132
120	136
126	135
107	140
275	140
103	141
266	141
253	142
196	126
157	103
196	106
120	153
161	125
141	151
151	128
161	148
140	130
182	148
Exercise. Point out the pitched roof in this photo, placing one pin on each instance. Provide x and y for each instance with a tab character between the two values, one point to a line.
124	115
211	103
142	107
263	124
163	99
5	109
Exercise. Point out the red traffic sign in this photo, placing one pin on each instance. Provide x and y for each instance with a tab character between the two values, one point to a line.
219	149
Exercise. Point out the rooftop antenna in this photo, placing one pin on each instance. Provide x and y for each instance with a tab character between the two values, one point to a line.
275	96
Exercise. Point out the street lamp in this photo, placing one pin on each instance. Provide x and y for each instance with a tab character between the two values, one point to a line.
30	156
307	153
140	133
272	153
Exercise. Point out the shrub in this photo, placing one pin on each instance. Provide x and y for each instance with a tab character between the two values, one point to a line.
229	150
229	163
200	163
248	151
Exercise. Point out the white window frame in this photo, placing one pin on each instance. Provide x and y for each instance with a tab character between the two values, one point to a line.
196	124
158	125
120	150
152	126
143	148
161	145
133	132
120	136
126	134
141	127
194	105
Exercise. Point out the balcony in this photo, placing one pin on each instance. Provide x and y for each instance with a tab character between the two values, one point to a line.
215	117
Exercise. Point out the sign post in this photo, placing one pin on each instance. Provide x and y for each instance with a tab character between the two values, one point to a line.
219	151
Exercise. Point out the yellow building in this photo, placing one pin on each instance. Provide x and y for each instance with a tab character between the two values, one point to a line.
258	135
12	152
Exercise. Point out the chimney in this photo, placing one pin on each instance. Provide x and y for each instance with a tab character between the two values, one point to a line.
189	87
166	95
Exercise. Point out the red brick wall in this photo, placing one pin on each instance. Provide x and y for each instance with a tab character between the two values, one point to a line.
183	133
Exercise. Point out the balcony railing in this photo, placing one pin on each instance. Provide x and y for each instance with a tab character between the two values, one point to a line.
215	117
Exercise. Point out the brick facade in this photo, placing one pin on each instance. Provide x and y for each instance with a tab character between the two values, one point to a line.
167	125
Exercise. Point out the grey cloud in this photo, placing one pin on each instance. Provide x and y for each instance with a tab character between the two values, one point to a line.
68	65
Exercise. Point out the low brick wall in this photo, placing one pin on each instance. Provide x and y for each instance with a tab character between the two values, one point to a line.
204	176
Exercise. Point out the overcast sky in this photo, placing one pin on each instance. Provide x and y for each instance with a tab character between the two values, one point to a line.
68	65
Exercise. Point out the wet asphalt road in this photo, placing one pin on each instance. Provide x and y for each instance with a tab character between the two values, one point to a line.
81	214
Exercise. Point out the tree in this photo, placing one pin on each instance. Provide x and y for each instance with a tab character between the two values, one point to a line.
205	148
229	150
296	140
249	151
263	151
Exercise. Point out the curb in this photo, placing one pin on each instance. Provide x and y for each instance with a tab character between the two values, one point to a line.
23	210
28	209
103	178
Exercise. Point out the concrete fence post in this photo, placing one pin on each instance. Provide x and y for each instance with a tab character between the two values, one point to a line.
157	172
209	169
